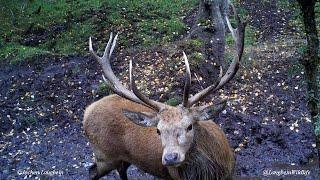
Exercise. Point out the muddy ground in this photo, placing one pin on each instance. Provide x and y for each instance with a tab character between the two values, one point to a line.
42	104
267	123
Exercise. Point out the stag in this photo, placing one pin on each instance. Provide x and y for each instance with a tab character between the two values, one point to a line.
169	142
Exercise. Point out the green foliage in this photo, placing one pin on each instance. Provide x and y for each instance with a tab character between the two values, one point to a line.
302	49
196	57
295	69
172	102
139	21
228	57
30	120
242	11
317	126
292	6
317	11
68	42
251	32
250	37
195	44
192	47
102	89
160	30
23	20
20	52
245	62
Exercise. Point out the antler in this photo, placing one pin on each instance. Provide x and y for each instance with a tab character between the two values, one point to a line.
238	37
156	105
114	83
187	81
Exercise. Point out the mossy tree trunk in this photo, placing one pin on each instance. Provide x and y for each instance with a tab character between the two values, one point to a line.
210	27
311	62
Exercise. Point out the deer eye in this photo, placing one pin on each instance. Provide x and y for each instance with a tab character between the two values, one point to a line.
158	131
189	127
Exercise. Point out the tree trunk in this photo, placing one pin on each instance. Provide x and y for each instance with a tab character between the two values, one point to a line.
210	28
311	62
218	39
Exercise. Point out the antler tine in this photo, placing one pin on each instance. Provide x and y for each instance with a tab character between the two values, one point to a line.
92	51
111	80
238	36
187	84
231	29
155	105
104	61
113	44
107	49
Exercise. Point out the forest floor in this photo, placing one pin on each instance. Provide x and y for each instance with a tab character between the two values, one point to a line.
42	101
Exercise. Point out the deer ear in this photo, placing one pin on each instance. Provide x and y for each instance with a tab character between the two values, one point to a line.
145	119
204	113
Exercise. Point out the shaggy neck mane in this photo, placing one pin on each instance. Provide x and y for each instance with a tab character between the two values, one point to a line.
201	160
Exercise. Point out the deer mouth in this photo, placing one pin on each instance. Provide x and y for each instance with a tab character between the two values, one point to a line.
173	164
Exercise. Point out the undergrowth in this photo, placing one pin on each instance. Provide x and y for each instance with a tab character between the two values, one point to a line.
33	27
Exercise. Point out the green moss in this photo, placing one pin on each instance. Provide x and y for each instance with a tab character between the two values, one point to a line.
20	52
172	102
30	120
103	89
317	126
160	30
296	19
228	57
196	43
141	22
196	57
250	37
192	46
295	69
73	40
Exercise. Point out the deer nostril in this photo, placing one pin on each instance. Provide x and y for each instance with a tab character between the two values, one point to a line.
171	158
175	156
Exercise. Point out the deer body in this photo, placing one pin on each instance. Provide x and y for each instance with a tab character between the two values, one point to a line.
115	139
170	142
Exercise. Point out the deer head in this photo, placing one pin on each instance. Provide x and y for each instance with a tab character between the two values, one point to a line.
175	125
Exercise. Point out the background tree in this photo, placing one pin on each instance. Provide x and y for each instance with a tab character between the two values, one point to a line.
311	63
210	27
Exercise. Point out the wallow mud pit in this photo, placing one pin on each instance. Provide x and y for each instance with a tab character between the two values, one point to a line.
42	108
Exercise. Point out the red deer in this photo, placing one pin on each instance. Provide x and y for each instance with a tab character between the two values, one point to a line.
169	142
